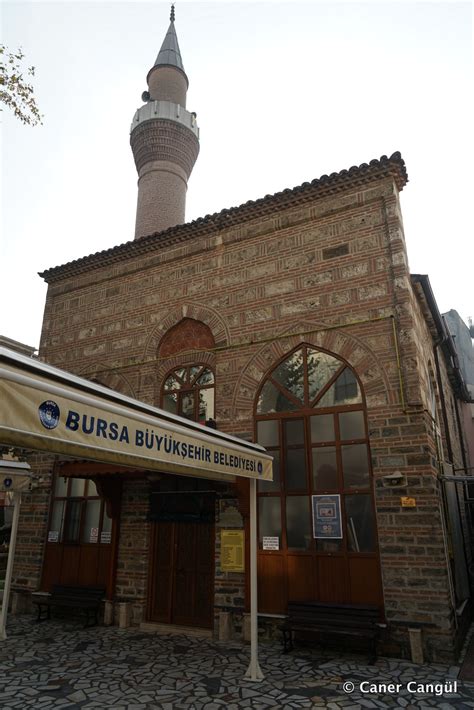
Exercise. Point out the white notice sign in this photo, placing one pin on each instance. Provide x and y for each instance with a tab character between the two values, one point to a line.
271	543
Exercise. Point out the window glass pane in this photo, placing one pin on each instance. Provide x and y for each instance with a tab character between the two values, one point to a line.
355	466
345	390
294	430
321	367
269	518
325	468
206	404
172	383
267	433
295	468
90	532
91	489
290	374
170	403
360	524
193	371
329	545
60	489
187	405
273	400
266	486
77	487
322	428
73	521
298	524
207	378
55	528
106	534
181	372
352	425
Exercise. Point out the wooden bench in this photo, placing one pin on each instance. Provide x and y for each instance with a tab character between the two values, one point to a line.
350	621
88	599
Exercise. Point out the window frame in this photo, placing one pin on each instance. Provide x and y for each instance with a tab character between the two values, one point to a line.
189	384
69	501
307	408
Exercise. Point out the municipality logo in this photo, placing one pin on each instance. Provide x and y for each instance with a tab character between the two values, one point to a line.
49	414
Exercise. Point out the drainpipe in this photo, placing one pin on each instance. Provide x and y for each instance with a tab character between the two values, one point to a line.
443	402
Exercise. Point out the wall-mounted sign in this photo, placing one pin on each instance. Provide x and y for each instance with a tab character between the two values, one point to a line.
232	551
94	535
106	537
53	536
408	502
271	543
75	418
327	516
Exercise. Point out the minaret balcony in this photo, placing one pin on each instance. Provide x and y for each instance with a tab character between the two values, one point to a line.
154	110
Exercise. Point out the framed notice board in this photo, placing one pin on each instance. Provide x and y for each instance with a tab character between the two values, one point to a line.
327	516
232	551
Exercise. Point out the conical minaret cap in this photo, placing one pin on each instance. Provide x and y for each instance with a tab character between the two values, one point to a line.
169	53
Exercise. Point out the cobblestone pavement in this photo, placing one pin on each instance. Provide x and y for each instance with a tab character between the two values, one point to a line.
61	665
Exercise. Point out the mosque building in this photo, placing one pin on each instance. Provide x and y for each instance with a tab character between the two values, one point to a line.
292	321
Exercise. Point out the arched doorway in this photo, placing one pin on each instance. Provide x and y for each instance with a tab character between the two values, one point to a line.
182	513
317	530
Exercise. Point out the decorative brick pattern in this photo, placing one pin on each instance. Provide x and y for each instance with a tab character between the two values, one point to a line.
189	334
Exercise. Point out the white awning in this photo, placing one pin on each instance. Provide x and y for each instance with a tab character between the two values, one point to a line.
43	407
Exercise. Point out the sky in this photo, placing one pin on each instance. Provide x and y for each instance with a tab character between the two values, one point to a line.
284	92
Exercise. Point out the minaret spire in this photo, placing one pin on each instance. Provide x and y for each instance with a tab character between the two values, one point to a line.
165	141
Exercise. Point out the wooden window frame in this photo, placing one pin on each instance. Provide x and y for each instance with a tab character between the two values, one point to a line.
190	386
306	410
83	500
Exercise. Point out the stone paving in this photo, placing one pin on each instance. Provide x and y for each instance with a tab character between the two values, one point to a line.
58	664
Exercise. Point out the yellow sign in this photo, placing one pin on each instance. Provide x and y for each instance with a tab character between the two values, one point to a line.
408	502
39	412
232	551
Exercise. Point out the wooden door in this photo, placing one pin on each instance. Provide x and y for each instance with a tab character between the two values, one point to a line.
182	573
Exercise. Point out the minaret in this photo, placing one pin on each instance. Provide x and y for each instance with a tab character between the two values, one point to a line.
165	141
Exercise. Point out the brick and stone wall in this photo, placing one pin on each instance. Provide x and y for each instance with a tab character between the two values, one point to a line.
33	525
331	272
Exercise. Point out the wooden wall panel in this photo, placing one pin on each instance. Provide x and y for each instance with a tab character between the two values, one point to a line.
272	595
364	579
301	577
331	581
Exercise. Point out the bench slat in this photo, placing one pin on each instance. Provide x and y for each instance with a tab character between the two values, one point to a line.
87	598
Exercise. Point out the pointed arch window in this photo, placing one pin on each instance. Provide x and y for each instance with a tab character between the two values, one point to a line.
308	378
310	415
189	392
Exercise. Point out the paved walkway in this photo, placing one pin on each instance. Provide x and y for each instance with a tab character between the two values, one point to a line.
60	665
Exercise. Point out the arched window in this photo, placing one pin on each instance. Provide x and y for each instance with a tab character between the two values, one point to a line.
189	392
317	534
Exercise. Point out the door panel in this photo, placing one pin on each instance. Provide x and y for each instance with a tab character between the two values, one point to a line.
163	571
183	610
183	574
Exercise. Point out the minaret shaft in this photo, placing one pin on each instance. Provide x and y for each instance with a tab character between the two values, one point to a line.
165	142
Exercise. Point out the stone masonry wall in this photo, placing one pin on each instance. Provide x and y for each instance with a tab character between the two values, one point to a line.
332	273
133	552
33	525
